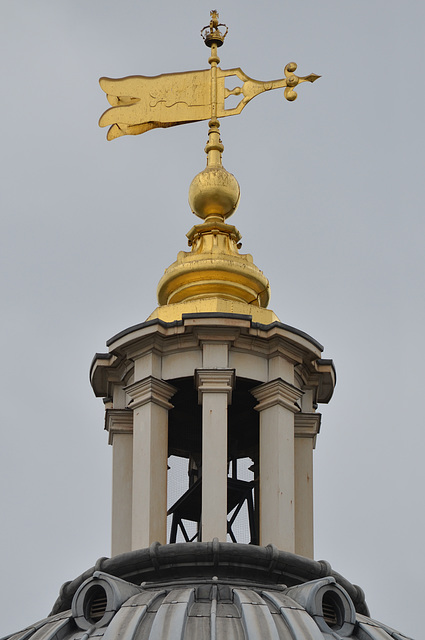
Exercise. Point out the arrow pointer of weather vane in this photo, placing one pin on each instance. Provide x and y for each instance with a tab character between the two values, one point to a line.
142	103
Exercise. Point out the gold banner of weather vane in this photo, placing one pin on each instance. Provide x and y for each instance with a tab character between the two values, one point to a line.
141	103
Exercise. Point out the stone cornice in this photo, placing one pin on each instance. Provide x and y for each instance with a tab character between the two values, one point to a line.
298	338
277	392
307	425
215	381
118	421
150	389
239	331
327	379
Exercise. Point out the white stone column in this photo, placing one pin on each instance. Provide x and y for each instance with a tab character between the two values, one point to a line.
150	404
277	405
214	393
119	424
307	427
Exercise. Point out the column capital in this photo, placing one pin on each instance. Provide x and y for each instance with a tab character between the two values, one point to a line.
277	392
118	421
307	425
215	381
150	389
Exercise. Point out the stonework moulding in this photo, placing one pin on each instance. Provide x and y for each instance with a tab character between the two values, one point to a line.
150	389
307	425
277	392
215	381
118	421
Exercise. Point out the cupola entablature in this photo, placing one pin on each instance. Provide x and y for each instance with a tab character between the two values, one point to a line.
160	345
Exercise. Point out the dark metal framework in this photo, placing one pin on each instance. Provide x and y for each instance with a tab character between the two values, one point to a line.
188	507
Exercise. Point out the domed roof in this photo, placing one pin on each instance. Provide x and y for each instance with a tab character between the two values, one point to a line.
209	590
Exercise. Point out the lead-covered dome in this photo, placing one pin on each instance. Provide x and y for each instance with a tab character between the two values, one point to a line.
197	591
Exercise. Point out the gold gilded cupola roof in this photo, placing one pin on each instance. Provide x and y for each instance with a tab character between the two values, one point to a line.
213	276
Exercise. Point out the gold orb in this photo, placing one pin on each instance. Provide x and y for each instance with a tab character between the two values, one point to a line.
214	192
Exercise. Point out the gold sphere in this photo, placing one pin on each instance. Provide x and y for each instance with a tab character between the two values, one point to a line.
214	192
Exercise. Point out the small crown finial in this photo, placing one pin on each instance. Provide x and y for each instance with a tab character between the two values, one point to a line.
211	33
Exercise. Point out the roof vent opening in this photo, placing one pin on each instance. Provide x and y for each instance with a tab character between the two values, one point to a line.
333	610
95	604
98	599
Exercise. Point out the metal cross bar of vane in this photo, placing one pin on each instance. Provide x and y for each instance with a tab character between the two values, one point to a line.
252	88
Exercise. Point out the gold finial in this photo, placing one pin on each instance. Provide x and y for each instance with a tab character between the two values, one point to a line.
214	269
214	193
213	275
211	33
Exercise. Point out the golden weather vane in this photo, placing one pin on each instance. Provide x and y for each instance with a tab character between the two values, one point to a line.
141	103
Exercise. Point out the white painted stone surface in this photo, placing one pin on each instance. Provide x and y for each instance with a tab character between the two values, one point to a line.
119	423
306	428
150	406
214	389
249	365
181	364
277	405
122	492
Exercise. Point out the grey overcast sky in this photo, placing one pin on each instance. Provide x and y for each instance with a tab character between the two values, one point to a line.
331	209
